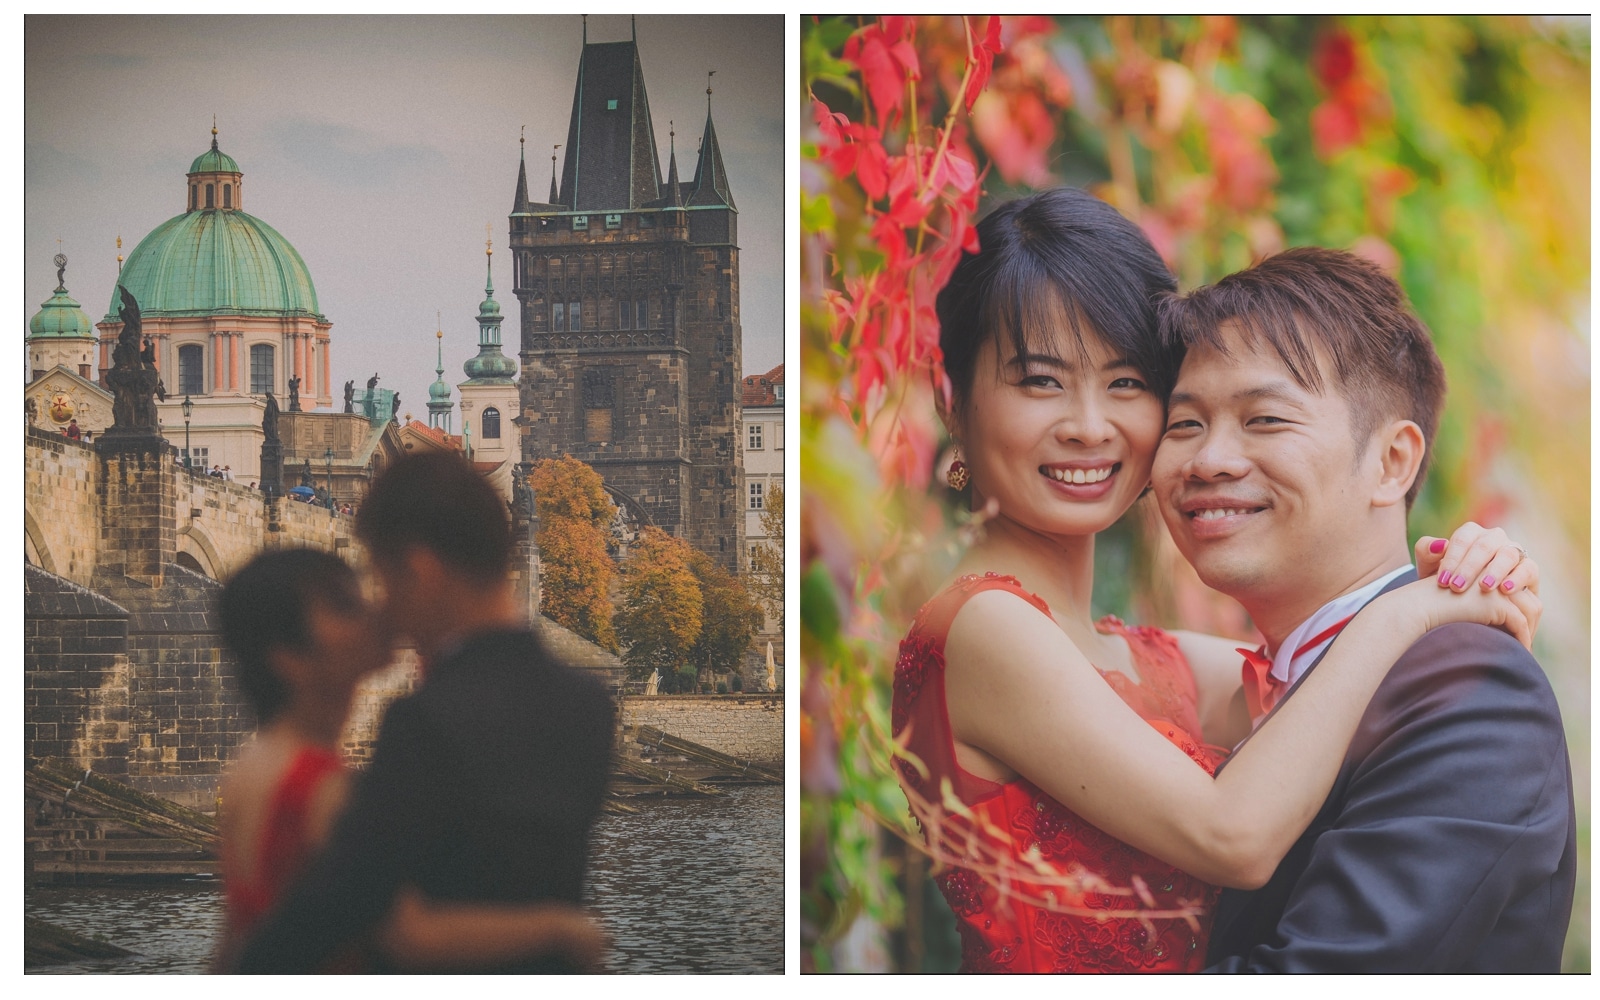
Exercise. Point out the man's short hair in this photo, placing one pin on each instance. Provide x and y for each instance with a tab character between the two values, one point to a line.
1382	354
439	502
267	605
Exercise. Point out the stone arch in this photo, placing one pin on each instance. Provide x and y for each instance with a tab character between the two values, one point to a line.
200	552
34	549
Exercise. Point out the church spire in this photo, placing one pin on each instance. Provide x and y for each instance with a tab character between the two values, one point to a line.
611	162
553	194
674	195
520	203
439	405
490	367
710	177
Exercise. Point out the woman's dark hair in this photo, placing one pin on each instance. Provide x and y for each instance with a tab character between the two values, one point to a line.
267	605
1059	257
439	501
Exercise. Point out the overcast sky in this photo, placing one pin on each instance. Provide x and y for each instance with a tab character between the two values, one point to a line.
379	147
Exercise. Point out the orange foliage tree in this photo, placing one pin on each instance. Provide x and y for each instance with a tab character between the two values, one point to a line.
576	570
661	612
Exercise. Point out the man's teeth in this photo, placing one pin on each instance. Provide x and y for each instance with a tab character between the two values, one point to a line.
1080	476
1212	513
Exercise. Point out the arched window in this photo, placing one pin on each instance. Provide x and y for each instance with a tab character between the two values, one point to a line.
261	359
211	196
191	369
490	421
194	197
227	196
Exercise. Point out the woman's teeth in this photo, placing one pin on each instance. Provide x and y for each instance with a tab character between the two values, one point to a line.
1080	476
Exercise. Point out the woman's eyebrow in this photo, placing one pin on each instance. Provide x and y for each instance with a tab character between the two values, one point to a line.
1023	360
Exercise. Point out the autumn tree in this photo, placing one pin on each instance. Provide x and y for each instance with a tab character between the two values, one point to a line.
575	514
729	615
766	561
660	617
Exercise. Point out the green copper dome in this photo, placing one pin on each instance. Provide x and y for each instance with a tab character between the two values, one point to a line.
490	366
213	160
61	317
210	262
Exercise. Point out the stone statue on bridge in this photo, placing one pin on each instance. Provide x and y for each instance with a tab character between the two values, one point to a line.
133	379
349	395
294	395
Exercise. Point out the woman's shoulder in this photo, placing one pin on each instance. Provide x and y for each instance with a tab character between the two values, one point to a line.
941	609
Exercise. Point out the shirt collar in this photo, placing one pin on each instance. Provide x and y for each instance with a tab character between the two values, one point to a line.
1292	660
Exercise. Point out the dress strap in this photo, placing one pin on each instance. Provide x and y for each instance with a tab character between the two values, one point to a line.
937	615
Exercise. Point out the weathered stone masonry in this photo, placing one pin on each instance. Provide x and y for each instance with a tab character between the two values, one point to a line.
748	726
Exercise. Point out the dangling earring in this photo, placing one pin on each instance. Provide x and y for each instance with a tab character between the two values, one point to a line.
958	476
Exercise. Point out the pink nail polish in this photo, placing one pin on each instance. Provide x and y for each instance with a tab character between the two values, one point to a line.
1488	582
1509	586
1437	546
1458	581
1444	578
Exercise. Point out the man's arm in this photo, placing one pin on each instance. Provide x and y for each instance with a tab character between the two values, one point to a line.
1458	808
375	845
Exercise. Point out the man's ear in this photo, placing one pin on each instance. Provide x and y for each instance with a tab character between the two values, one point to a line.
1400	449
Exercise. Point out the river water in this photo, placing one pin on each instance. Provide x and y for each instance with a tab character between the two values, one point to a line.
684	885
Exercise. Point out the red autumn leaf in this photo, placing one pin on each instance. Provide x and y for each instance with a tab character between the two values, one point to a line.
1334	127
1333	61
872	168
881	72
983	60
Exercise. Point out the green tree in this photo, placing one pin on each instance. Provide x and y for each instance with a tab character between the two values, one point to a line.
729	614
575	569
660	617
766	562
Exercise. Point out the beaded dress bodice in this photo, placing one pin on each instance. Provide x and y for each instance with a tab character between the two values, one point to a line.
1021	899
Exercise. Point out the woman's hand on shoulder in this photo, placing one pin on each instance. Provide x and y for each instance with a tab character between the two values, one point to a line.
1424	606
1479	559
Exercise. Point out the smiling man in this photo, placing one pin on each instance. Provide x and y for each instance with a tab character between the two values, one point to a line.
1297	437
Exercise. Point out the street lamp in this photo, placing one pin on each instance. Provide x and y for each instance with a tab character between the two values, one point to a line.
329	456
188	410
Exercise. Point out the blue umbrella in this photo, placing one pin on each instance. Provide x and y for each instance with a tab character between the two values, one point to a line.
302	491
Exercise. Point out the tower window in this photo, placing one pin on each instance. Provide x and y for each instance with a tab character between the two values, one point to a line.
614	221
490	422
580	222
192	369
599	397
211	196
558	317
611	105
194	197
227	196
640	314
261	358
625	314
575	316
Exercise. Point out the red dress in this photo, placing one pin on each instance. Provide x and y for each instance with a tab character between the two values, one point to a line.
285	848
1037	850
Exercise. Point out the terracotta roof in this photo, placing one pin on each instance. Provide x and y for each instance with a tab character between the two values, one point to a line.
758	389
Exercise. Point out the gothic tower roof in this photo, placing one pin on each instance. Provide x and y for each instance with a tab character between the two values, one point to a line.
710	177
611	161
520	203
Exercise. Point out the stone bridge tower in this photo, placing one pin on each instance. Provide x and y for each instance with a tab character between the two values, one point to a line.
629	295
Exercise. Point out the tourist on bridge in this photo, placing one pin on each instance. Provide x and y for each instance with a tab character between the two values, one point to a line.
486	782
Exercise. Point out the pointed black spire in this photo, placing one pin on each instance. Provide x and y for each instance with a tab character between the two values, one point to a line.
521	203
553	194
710	177
611	162
674	196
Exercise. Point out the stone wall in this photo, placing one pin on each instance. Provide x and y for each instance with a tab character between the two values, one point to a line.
371	701
61	526
74	674
749	726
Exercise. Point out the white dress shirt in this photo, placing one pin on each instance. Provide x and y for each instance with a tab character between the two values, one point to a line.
1290	661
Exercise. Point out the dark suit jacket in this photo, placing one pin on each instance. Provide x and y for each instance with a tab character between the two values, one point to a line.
483	786
1448	841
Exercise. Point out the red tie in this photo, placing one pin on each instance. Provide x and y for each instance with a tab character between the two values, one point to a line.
1261	689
